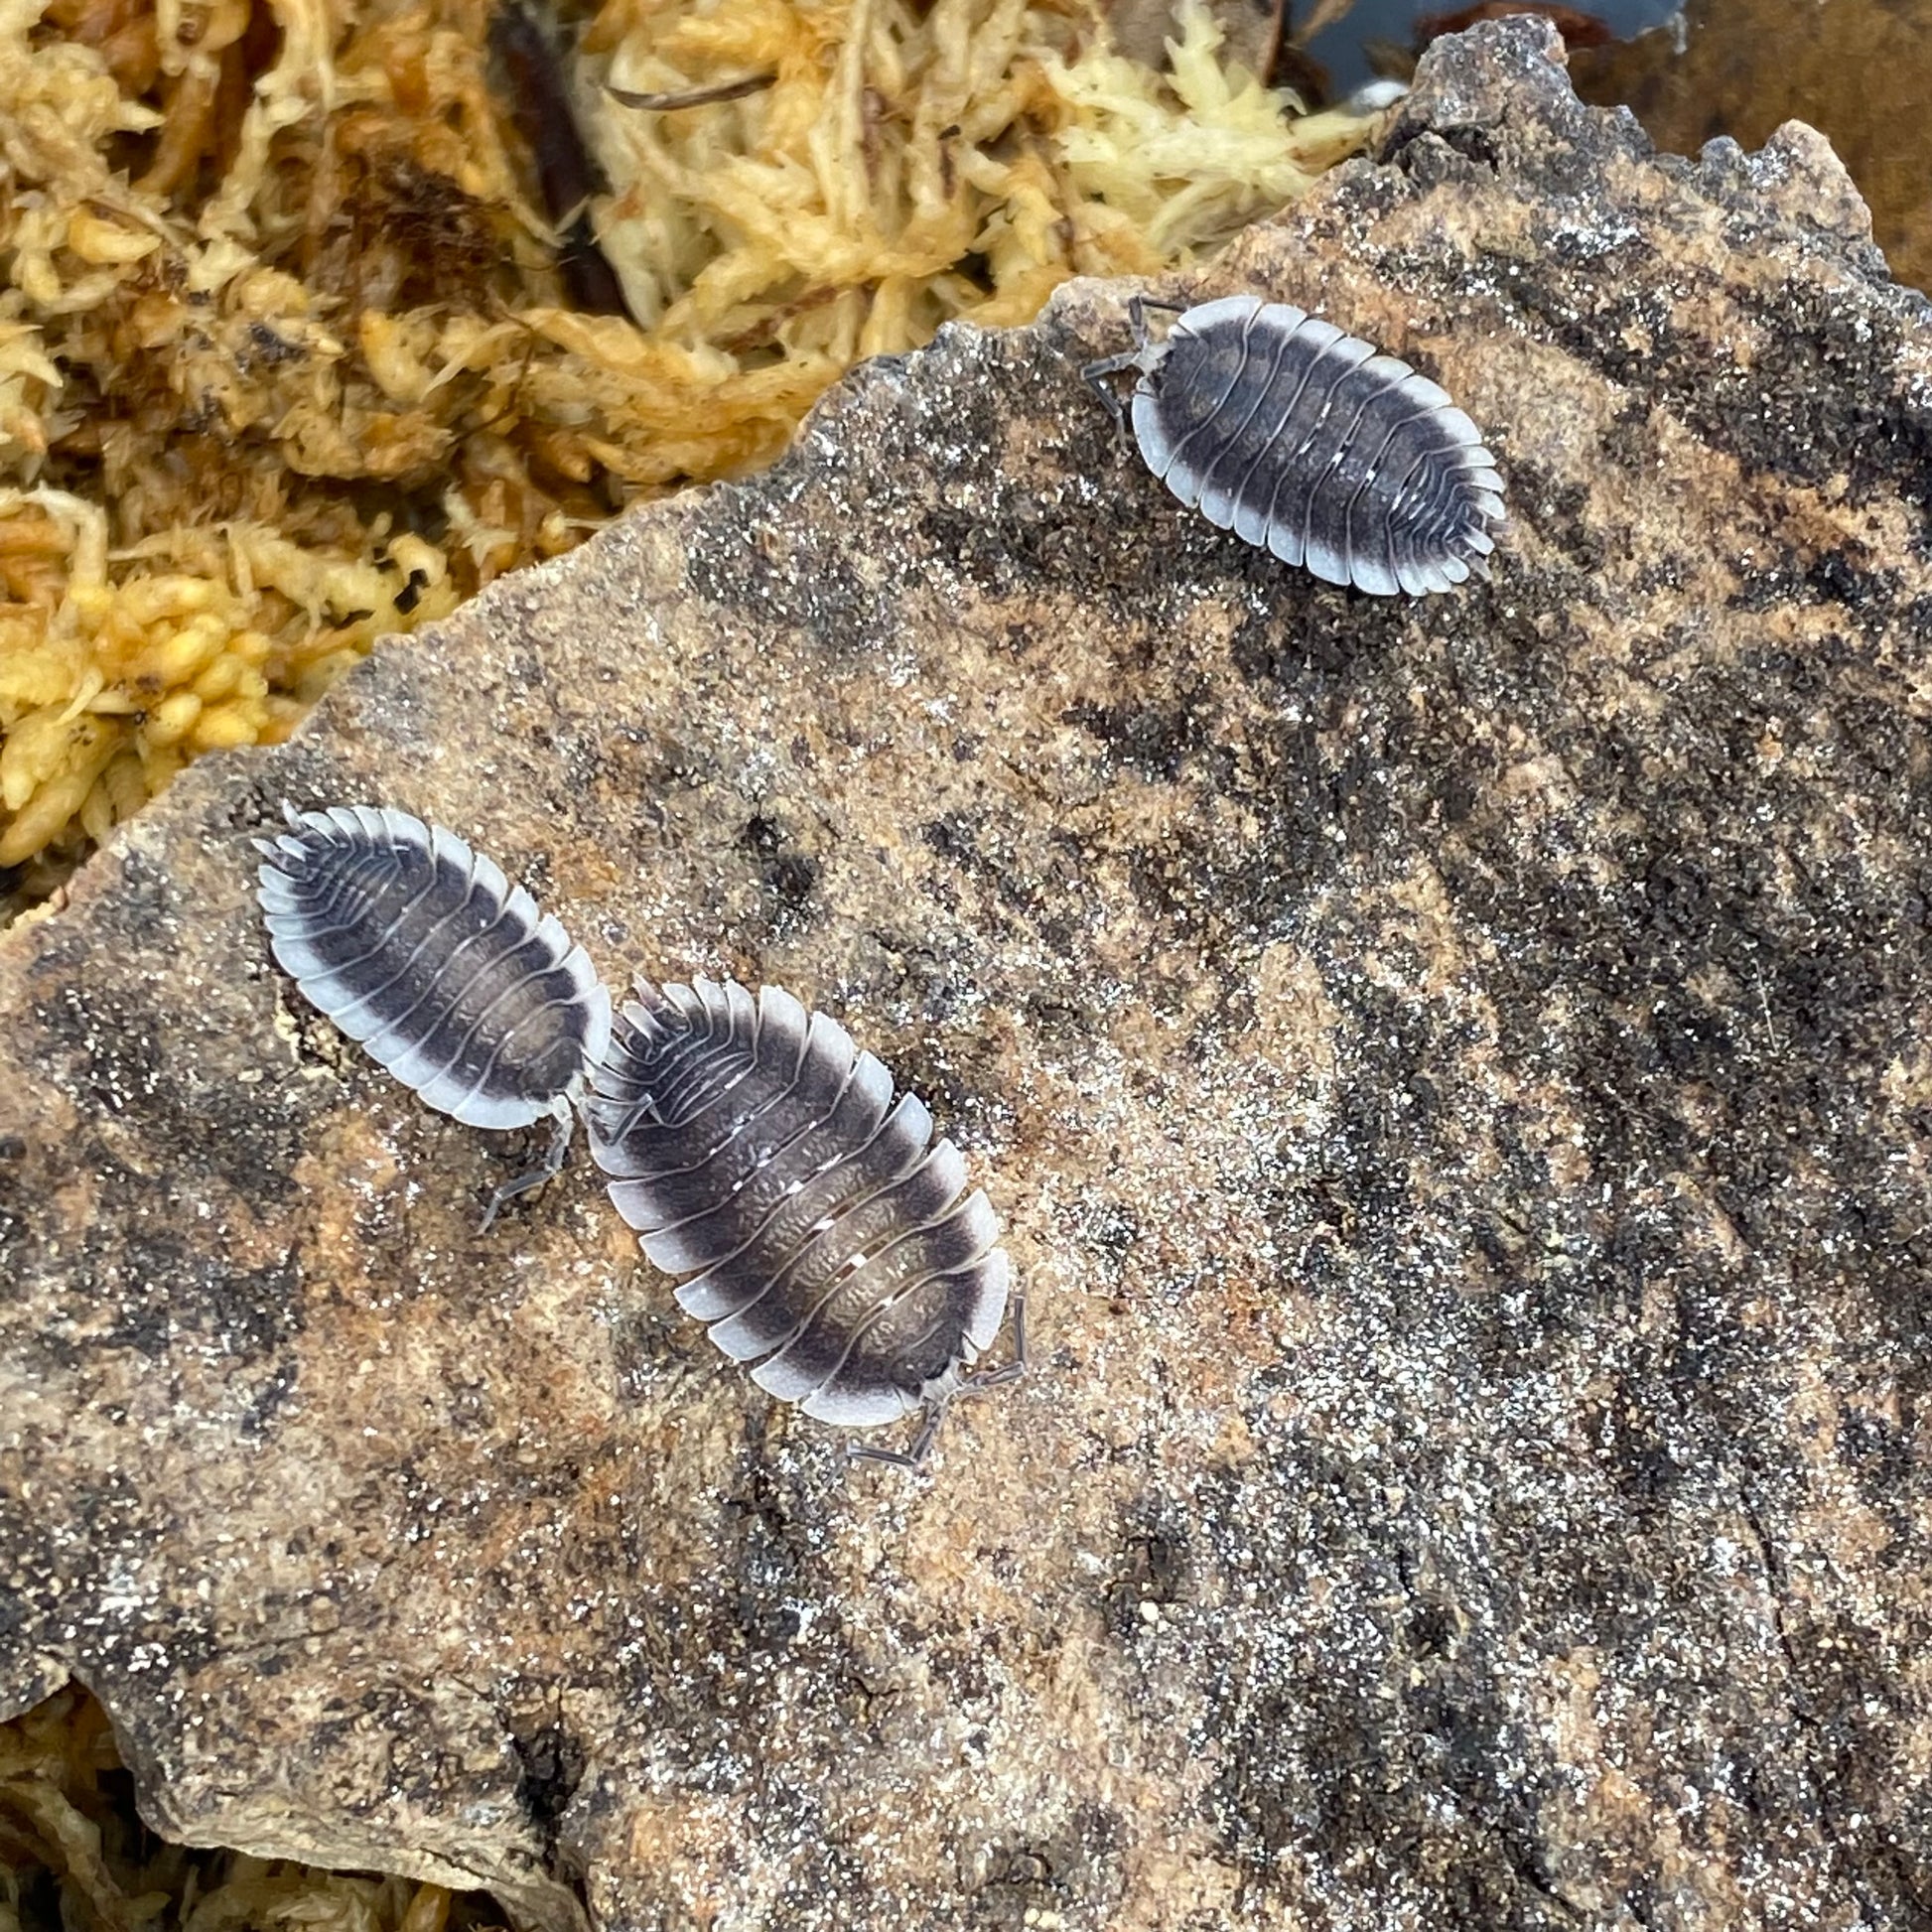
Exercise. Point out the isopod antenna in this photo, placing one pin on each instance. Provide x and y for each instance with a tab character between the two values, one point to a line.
564	1111
1145	355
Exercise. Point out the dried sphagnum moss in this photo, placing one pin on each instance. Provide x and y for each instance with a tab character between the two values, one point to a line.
285	364
75	1853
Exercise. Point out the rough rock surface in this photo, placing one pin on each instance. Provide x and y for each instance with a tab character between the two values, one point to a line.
1855	70
1455	1072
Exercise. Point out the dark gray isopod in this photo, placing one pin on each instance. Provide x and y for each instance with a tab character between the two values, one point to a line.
752	1142
421	949
1279	427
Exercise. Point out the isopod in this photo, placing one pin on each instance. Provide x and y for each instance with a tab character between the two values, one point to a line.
422	951
1309	442
758	1152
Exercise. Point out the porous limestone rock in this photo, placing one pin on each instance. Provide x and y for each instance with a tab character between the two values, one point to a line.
1454	1074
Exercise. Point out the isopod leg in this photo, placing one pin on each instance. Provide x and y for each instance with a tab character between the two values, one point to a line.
981	1382
532	1179
1096	374
912	1458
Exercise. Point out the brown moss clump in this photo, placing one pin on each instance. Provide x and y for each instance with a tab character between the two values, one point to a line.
286	361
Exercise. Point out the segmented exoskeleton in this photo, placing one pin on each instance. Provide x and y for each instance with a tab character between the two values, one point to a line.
1308	441
451	978
755	1150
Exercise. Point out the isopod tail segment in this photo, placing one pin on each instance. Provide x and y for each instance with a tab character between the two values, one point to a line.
448	976
975	1382
1144	356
